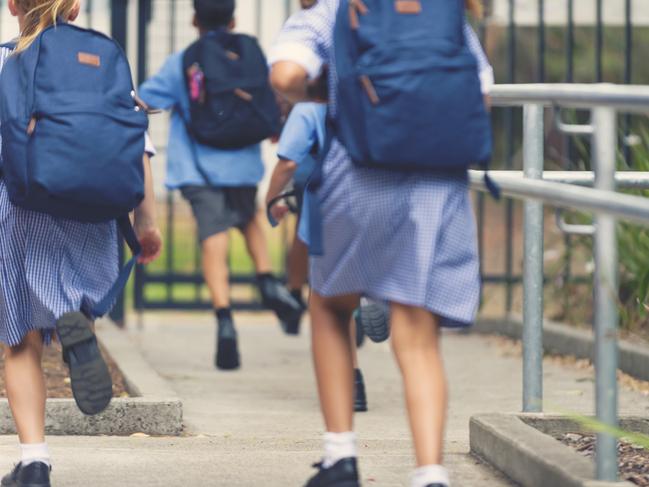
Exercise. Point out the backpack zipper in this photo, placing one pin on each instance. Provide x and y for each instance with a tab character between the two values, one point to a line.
356	7
369	89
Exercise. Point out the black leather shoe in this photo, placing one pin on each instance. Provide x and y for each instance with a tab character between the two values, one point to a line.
227	349
90	380
374	318
35	474
360	399
343	473
292	327
437	485
277	298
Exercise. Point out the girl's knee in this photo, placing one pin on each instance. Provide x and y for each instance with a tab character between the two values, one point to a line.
338	305
413	328
32	342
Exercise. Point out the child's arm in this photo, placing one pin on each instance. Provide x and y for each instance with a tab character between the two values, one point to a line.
300	51
163	89
484	67
282	175
145	226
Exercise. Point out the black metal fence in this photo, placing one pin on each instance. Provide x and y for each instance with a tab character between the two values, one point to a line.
568	50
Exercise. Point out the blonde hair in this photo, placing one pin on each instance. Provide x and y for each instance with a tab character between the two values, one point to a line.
39	15
475	7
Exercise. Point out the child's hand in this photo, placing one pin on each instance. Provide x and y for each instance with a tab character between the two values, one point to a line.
151	242
279	211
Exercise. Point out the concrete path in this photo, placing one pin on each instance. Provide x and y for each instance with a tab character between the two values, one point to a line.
261	425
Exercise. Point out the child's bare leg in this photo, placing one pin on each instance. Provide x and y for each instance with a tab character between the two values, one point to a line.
298	265
257	245
415	340
215	268
352	337
26	388
332	355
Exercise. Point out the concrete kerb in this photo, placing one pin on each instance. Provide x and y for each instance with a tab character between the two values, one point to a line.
567	340
153	408
529	456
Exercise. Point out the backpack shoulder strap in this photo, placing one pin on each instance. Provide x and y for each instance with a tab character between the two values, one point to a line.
127	231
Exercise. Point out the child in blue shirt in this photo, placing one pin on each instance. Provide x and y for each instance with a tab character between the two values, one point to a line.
302	139
220	185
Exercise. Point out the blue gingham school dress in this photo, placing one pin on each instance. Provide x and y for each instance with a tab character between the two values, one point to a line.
49	266
408	238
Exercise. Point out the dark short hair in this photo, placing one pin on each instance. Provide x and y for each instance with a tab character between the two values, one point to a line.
212	14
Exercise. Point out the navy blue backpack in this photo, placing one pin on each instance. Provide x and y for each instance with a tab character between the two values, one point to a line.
72	132
408	91
231	102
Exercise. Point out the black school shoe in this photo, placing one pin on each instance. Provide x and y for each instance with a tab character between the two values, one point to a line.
360	399
36	474
227	349
277	298
374	319
343	473
292	326
92	386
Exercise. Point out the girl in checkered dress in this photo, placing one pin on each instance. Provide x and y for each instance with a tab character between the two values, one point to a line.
405	238
50	267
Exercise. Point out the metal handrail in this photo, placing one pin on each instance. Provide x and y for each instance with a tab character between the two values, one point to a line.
570	196
623	179
627	98
536	187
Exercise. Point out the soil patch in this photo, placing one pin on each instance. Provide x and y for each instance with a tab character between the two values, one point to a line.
633	460
57	378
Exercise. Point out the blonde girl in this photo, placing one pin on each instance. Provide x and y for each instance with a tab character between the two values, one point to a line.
50	267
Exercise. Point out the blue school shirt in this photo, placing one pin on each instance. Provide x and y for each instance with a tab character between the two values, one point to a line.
225	168
304	129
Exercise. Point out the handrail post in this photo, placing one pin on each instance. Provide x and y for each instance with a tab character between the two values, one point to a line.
533	137
606	292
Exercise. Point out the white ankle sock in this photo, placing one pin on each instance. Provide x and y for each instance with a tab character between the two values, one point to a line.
430	474
338	446
34	452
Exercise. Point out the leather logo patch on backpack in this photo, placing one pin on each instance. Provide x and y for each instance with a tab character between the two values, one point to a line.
89	59
408	6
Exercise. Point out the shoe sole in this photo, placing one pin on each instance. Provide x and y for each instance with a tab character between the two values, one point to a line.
227	355
374	323
92	386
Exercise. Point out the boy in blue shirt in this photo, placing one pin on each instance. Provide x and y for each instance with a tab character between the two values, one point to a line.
302	139
220	185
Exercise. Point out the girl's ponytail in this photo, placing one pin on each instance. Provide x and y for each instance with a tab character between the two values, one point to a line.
475	7
39	15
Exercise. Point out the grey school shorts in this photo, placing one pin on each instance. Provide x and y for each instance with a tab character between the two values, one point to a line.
218	209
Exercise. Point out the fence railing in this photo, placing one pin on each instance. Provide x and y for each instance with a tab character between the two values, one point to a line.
537	188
